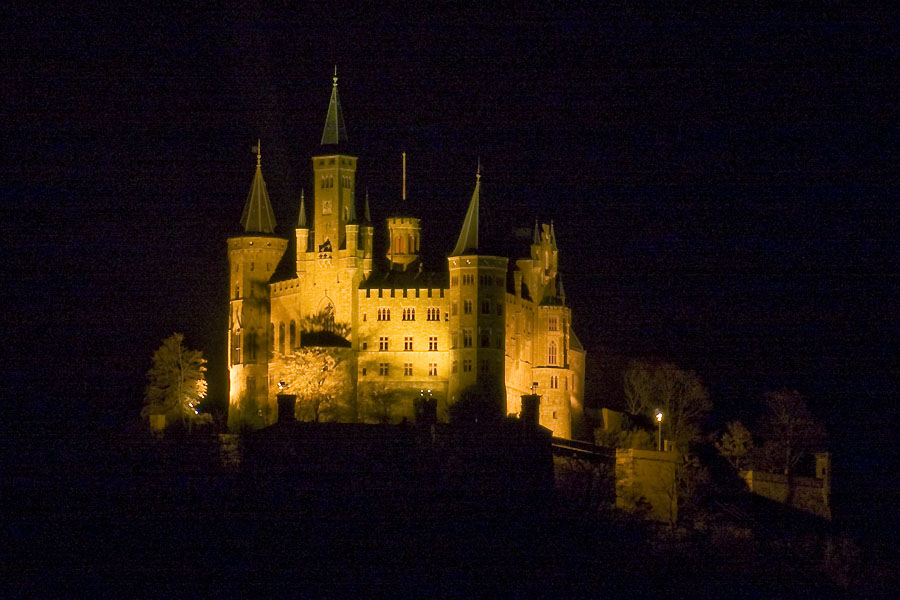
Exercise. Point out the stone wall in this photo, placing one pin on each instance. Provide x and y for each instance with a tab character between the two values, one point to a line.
645	483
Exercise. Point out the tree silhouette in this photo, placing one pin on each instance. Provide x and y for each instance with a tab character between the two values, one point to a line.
177	382
790	429
736	444
317	375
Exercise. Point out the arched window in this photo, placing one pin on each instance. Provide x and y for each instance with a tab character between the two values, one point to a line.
236	347
293	334
281	338
551	353
250	345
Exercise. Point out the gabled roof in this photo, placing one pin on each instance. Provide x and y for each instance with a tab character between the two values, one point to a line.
335	132
258	216
468	235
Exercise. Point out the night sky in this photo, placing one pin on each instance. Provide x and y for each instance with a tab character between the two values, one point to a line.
723	180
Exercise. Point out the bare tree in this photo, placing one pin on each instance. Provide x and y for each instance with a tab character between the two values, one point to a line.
790	428
736	443
679	395
177	382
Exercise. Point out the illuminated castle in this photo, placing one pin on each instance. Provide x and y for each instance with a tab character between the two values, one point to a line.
398	334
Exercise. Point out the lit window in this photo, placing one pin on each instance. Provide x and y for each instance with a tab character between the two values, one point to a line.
383	343
434	314
552	324
468	279
467	338
236	347
409	314
384	314
467	307
551	353
383	369
408	343
432	342
432	369
554	382
407	369
467	365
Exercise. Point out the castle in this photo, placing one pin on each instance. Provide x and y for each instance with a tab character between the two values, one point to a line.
403	333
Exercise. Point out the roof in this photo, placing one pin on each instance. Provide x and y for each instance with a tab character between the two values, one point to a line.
468	235
335	131
258	216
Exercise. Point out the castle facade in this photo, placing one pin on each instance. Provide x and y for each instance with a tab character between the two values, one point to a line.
389	337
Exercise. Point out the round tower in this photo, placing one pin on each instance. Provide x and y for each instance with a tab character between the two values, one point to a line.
403	232
252	258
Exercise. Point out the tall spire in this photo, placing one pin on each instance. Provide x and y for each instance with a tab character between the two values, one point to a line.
352	211
335	132
301	221
368	215
258	216
468	236
537	236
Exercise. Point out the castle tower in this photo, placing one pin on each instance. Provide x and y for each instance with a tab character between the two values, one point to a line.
334	180
477	300
252	258
403	234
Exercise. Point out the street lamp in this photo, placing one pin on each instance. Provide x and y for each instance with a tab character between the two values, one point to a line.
659	416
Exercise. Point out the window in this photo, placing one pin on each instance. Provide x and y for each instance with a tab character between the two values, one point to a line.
468	279
237	292
454	281
407	369
434	314
293	334
364	314
383	343
485	335
408	343
250	345
454	308
432	369
552	324
554	382
363	370
454	367
486	307
467	307
551	353
365	345
499	309
409	314
281	338
383	369
384	314
236	347
467	337
467	365
432	342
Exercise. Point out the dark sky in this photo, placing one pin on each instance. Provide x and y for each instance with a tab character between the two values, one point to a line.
723	180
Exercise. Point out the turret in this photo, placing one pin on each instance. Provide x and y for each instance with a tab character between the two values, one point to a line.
403	234
252	258
477	321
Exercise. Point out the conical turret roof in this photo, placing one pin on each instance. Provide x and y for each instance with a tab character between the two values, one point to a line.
258	216
335	132
468	236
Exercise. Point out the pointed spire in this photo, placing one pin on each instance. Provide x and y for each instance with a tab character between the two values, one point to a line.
552	236
537	234
335	132
559	286
468	236
301	221
258	216
368	215
352	215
